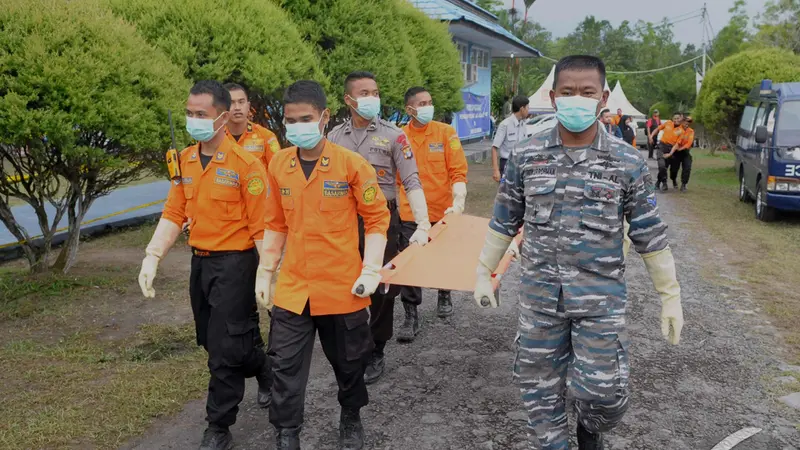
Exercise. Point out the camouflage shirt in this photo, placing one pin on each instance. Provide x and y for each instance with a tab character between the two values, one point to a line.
572	203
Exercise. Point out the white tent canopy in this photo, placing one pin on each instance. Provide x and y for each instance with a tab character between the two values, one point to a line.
540	100
618	100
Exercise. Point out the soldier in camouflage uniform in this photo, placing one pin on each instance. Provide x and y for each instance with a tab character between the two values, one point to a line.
571	188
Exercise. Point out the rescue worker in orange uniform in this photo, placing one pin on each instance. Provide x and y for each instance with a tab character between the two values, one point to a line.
221	193
680	158
254	138
315	193
672	133
443	173
386	147
261	143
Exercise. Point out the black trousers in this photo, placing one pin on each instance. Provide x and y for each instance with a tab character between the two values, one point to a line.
381	311
681	160
346	342
410	294
502	163
650	147
222	292
663	149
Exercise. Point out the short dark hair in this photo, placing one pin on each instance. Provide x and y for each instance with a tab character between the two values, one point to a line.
605	111
411	93
221	98
306	91
355	76
581	62
235	87
519	102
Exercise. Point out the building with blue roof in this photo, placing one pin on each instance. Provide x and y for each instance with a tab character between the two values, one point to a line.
479	38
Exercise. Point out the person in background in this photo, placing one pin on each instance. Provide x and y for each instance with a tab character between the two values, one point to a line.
509	132
259	141
628	133
315	191
222	196
443	173
680	158
617	120
608	123
652	123
672	133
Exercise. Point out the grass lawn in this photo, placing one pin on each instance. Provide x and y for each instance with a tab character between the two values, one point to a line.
765	253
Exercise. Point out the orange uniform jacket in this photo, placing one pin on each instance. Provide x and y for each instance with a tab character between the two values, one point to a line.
687	139
320	217
225	202
259	141
671	132
441	162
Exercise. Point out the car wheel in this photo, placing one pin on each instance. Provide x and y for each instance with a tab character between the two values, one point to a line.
764	213
744	196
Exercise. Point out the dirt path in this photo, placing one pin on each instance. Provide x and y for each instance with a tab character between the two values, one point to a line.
451	389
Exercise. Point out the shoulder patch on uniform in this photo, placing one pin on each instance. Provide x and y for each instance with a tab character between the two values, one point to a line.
335	189
369	194
274	145
402	140
255	186
455	143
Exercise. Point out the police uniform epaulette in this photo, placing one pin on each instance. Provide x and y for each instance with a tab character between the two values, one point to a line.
390	125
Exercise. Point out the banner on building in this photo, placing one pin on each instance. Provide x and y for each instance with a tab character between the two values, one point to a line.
474	121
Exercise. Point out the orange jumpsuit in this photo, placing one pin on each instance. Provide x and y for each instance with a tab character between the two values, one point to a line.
320	217
441	162
259	141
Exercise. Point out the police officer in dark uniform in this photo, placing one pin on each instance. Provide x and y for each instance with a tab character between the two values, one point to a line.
221	195
386	147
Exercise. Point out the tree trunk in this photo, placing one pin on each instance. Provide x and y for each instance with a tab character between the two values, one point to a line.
36	255
76	210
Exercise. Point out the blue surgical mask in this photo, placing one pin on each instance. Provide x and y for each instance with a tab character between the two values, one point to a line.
424	114
202	130
576	113
368	107
305	135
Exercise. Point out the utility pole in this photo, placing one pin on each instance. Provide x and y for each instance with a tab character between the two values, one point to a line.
705	42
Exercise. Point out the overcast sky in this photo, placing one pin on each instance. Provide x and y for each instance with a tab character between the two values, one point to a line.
561	17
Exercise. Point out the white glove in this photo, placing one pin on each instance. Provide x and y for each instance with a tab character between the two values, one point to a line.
270	251
163	239
494	248
459	199
419	207
513	250
661	266
367	283
264	286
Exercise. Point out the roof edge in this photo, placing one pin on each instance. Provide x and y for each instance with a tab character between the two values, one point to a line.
515	41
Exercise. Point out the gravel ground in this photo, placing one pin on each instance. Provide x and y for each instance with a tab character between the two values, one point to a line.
451	389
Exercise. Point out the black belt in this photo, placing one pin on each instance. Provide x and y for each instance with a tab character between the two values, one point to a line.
209	254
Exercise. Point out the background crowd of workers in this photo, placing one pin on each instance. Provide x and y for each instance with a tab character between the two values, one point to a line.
275	228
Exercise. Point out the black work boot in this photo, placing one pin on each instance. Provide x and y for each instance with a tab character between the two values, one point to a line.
287	438
264	379
216	438
664	186
376	364
351	432
675	184
445	306
683	188
587	440
410	327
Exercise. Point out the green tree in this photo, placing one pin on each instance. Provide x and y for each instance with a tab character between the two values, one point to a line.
734	36
493	6
726	86
83	108
350	35
438	58
250	42
779	26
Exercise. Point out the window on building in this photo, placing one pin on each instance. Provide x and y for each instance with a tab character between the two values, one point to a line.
471	60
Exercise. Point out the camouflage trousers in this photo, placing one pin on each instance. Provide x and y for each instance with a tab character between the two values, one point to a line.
593	352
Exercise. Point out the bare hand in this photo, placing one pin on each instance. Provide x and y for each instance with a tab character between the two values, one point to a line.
496	175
